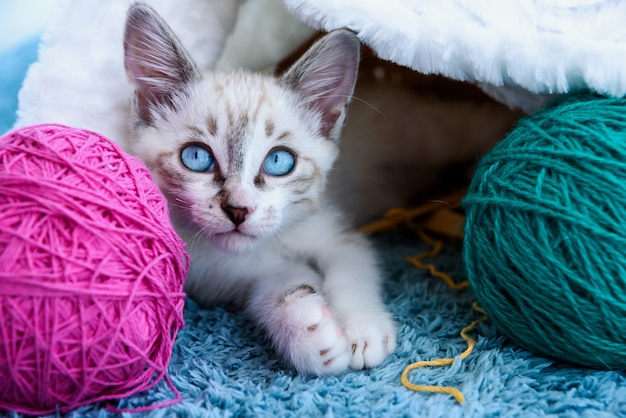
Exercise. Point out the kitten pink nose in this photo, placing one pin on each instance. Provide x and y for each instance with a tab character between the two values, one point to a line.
237	215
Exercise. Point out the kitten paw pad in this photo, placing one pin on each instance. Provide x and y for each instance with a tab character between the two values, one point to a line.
317	345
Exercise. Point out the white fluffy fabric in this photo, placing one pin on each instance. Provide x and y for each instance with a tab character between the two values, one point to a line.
518	51
79	79
525	47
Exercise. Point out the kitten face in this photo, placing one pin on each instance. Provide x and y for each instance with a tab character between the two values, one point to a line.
243	125
239	156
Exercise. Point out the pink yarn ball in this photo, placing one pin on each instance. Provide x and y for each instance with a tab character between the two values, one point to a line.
91	272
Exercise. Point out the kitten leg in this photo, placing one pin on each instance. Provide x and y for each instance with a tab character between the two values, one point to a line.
300	324
353	288
282	295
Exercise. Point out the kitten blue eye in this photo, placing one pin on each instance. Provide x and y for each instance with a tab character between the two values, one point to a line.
197	158
279	162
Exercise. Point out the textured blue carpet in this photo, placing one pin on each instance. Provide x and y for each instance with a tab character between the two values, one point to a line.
224	367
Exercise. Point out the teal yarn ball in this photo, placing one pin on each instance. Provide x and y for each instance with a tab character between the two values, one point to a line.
545	233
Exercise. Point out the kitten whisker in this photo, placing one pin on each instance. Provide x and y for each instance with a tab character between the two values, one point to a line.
186	204
179	206
195	240
358	99
371	106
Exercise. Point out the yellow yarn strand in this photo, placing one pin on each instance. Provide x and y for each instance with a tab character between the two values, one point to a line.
417	262
437	246
471	343
398	216
392	219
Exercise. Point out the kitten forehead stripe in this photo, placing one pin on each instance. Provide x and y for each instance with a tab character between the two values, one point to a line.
283	136
236	151
230	115
262	100
269	128
196	132
211	124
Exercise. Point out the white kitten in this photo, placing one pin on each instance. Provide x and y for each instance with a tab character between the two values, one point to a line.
243	159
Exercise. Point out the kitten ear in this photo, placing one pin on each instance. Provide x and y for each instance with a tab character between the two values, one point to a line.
324	77
155	61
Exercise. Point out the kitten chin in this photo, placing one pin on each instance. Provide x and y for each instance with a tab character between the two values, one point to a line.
234	242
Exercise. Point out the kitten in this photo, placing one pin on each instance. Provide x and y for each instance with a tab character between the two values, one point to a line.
243	160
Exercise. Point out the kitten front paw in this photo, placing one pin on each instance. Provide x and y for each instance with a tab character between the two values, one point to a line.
371	339
315	343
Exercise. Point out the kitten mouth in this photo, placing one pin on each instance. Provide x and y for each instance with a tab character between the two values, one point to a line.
235	231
